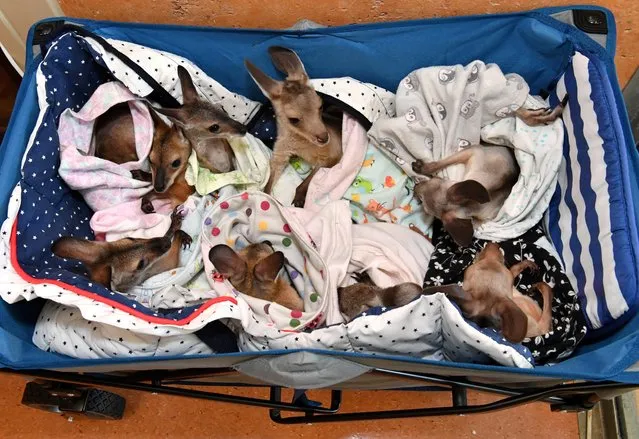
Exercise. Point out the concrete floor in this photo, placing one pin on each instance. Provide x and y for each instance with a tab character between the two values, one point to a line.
163	416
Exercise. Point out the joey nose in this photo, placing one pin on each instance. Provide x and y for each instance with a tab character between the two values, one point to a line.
322	138
159	180
242	130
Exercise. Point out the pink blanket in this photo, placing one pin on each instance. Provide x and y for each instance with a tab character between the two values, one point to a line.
108	188
330	184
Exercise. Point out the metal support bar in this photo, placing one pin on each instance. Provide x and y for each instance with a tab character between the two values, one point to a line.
276	397
572	390
209	384
158	388
577	396
491	388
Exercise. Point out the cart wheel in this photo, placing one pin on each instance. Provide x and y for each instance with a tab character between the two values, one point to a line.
104	405
37	396
68	398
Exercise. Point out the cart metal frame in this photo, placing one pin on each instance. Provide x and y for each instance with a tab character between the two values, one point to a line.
572	397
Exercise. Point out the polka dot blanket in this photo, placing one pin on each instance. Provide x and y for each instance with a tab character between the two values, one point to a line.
251	218
429	327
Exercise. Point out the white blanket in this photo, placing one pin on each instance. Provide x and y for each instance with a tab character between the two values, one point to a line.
390	253
430	327
63	330
443	109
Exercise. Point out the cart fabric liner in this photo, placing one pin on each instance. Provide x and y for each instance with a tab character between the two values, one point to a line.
430	334
591	219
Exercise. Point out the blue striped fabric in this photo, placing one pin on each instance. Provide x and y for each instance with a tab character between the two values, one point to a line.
590	220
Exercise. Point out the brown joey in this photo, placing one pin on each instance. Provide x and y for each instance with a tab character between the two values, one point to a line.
254	271
489	298
363	295
125	263
206	125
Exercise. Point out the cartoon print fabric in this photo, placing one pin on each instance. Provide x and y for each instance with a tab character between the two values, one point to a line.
441	110
382	191
108	188
376	187
101	182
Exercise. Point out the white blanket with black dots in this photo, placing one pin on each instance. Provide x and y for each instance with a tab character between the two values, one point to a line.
63	330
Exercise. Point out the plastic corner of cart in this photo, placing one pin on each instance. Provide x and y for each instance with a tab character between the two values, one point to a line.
611	35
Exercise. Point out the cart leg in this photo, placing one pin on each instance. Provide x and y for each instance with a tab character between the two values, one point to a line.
460	397
589	424
300	398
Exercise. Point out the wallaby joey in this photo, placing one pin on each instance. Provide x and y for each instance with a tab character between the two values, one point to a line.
127	262
254	271
302	128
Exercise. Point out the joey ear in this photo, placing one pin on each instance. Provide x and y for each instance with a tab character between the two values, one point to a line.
268	268
467	190
87	252
286	61
269	86
189	92
178	130
514	322
228	263
461	230
158	122
173	113
93	254
101	274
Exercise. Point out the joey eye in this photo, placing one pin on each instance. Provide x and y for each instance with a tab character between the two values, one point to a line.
214	128
141	264
294	120
176	163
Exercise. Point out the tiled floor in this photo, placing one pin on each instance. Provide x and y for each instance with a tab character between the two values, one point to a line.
161	416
